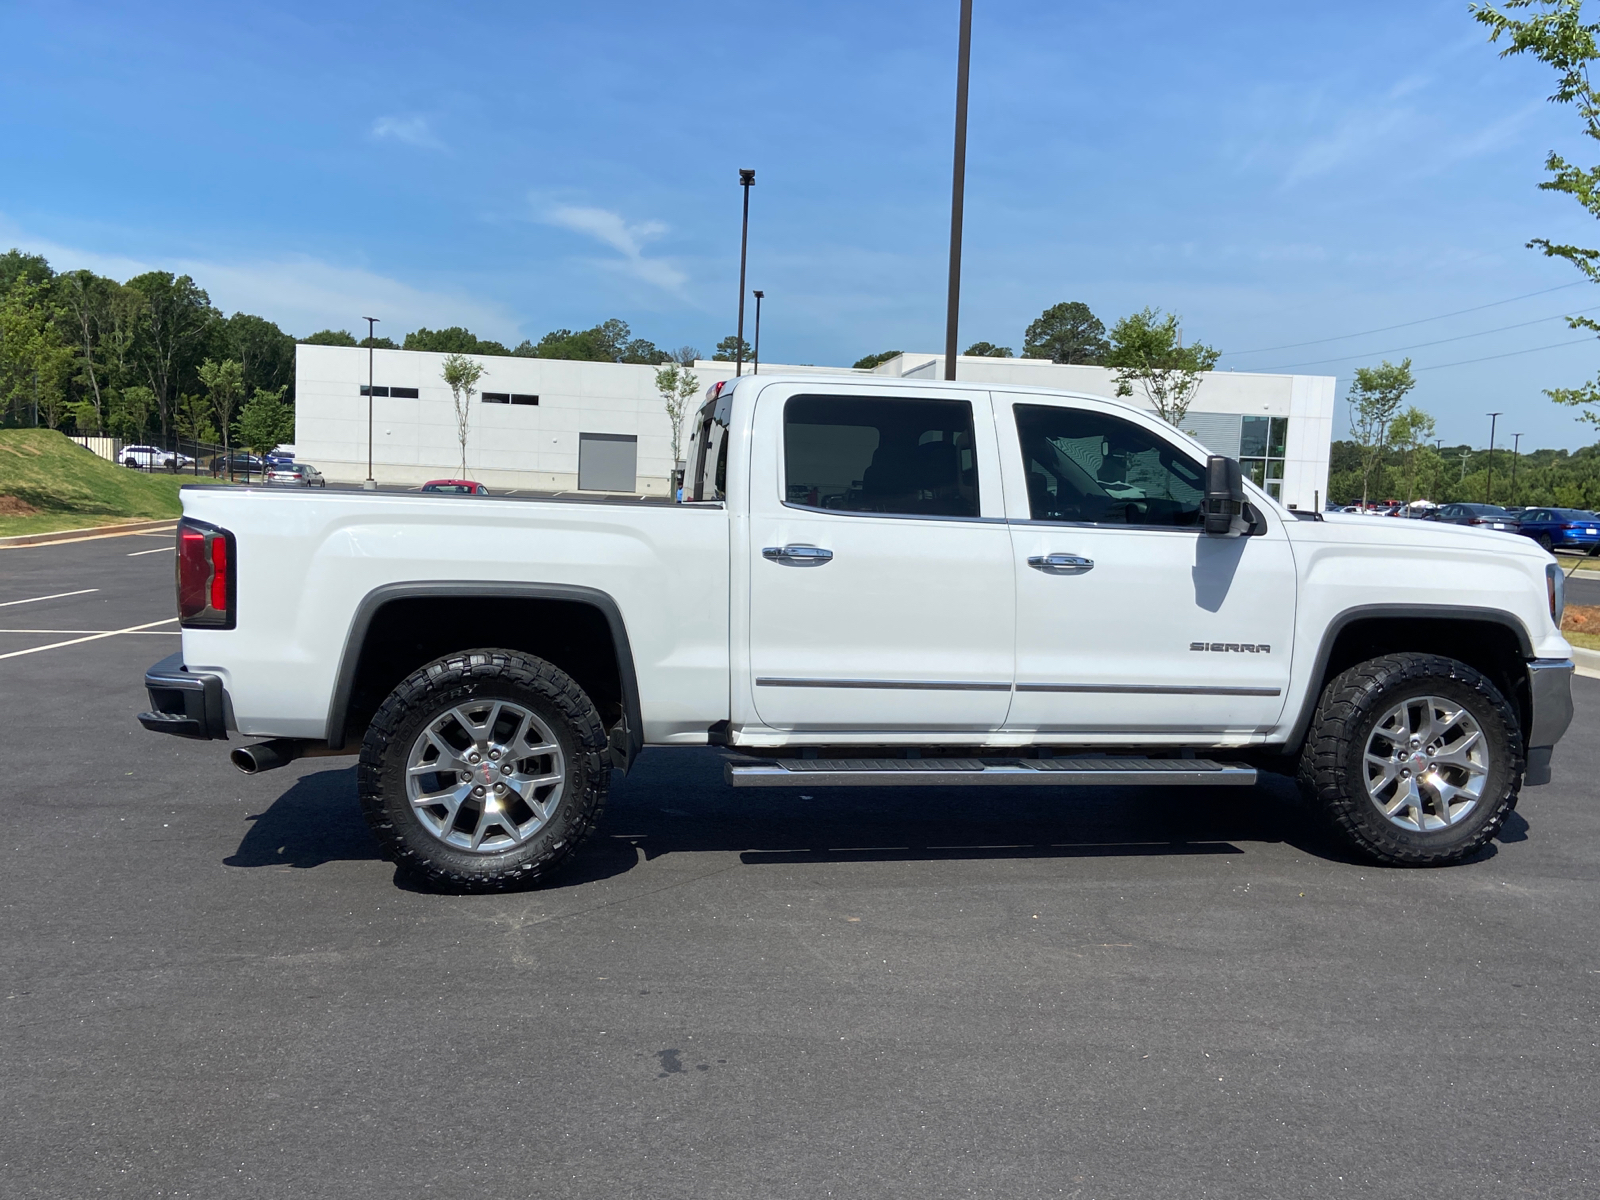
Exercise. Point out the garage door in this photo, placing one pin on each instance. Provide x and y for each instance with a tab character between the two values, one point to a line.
607	462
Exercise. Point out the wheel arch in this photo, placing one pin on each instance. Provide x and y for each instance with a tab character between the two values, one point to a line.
1491	640
400	626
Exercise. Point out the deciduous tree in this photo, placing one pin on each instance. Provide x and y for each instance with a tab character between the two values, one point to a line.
1375	397
678	387
265	421
1147	350
225	385
988	350
462	374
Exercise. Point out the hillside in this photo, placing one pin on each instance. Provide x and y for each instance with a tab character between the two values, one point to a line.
50	482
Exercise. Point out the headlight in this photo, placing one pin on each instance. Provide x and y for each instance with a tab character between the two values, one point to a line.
1556	584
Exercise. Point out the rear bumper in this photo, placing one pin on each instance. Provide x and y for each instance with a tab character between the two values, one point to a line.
1550	712
184	703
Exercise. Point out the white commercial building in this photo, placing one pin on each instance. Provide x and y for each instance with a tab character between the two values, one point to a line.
549	425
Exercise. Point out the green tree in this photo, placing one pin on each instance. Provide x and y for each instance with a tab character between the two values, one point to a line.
1410	431
265	421
1374	399
15	267
609	341
265	352
988	350
191	417
732	348
35	357
684	356
1147	349
1556	35
454	340
130	410
329	337
174	320
1066	333
225	385
462	374
678	386
861	364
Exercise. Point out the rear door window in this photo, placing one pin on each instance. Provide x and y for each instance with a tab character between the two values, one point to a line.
868	454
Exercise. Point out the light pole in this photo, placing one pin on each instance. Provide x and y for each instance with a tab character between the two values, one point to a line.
756	368
371	484
958	187
747	180
1488	487
1516	447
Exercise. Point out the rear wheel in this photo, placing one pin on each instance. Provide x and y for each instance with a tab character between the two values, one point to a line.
1413	759
484	770
1544	540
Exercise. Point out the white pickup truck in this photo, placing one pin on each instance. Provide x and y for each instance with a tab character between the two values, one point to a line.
871	582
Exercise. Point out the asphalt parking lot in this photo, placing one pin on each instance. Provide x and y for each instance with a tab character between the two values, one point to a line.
213	986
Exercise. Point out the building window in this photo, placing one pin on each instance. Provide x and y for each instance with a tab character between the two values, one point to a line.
509	398
396	393
523	398
377	391
1262	442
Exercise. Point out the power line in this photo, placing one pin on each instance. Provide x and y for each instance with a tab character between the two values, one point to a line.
1407	324
1422	345
1507	354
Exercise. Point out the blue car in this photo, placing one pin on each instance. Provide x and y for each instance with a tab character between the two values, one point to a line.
1561	528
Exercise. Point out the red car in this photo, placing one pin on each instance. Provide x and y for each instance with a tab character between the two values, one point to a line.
456	487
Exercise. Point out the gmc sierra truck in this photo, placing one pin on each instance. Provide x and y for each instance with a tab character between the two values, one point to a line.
871	582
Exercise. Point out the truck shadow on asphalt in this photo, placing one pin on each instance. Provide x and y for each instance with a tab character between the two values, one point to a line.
677	802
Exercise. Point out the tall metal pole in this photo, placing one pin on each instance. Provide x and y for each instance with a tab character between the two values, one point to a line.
1488	487
371	483
756	369
958	188
1516	447
747	179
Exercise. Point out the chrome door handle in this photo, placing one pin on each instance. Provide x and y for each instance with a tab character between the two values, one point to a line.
1062	563
798	556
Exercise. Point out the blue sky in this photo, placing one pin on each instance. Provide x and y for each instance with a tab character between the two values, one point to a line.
1277	174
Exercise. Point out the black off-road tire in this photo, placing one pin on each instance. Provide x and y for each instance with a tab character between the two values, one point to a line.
1333	779
453	680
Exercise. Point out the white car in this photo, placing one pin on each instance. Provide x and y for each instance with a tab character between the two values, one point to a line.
878	582
151	458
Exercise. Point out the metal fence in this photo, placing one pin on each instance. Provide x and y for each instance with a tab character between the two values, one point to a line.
178	456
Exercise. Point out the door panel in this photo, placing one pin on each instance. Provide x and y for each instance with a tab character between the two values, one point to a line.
1132	621
907	623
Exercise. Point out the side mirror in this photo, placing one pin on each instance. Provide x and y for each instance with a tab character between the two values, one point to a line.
1224	503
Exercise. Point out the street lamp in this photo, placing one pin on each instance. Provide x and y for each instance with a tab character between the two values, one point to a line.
958	185
756	369
747	180
1488	487
1516	447
371	484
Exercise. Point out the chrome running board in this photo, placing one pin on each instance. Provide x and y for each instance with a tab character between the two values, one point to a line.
975	772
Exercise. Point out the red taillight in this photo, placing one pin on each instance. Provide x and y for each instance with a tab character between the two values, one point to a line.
205	576
1477	521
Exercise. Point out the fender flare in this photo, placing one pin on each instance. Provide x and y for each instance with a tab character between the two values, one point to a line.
625	743
1368	612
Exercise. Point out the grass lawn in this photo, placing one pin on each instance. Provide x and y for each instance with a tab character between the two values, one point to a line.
48	482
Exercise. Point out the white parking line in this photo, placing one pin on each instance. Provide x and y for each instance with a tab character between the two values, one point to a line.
157	550
57	596
136	633
92	638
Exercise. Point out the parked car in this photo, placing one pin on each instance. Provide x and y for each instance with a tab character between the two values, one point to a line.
865	587
295	475
152	458
1487	516
1561	528
279	456
455	487
239	463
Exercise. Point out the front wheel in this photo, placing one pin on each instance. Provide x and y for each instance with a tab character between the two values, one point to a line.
484	770
1413	759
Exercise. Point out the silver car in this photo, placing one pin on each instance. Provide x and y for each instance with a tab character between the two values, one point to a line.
295	474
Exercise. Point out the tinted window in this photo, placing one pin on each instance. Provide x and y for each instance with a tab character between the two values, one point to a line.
709	456
865	454
1087	466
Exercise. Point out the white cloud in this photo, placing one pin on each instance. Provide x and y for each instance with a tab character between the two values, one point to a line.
413	131
301	294
628	240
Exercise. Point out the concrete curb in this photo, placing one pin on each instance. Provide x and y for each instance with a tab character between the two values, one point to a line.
83	535
1588	662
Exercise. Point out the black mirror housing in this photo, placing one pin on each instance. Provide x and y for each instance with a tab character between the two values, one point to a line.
1224	503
